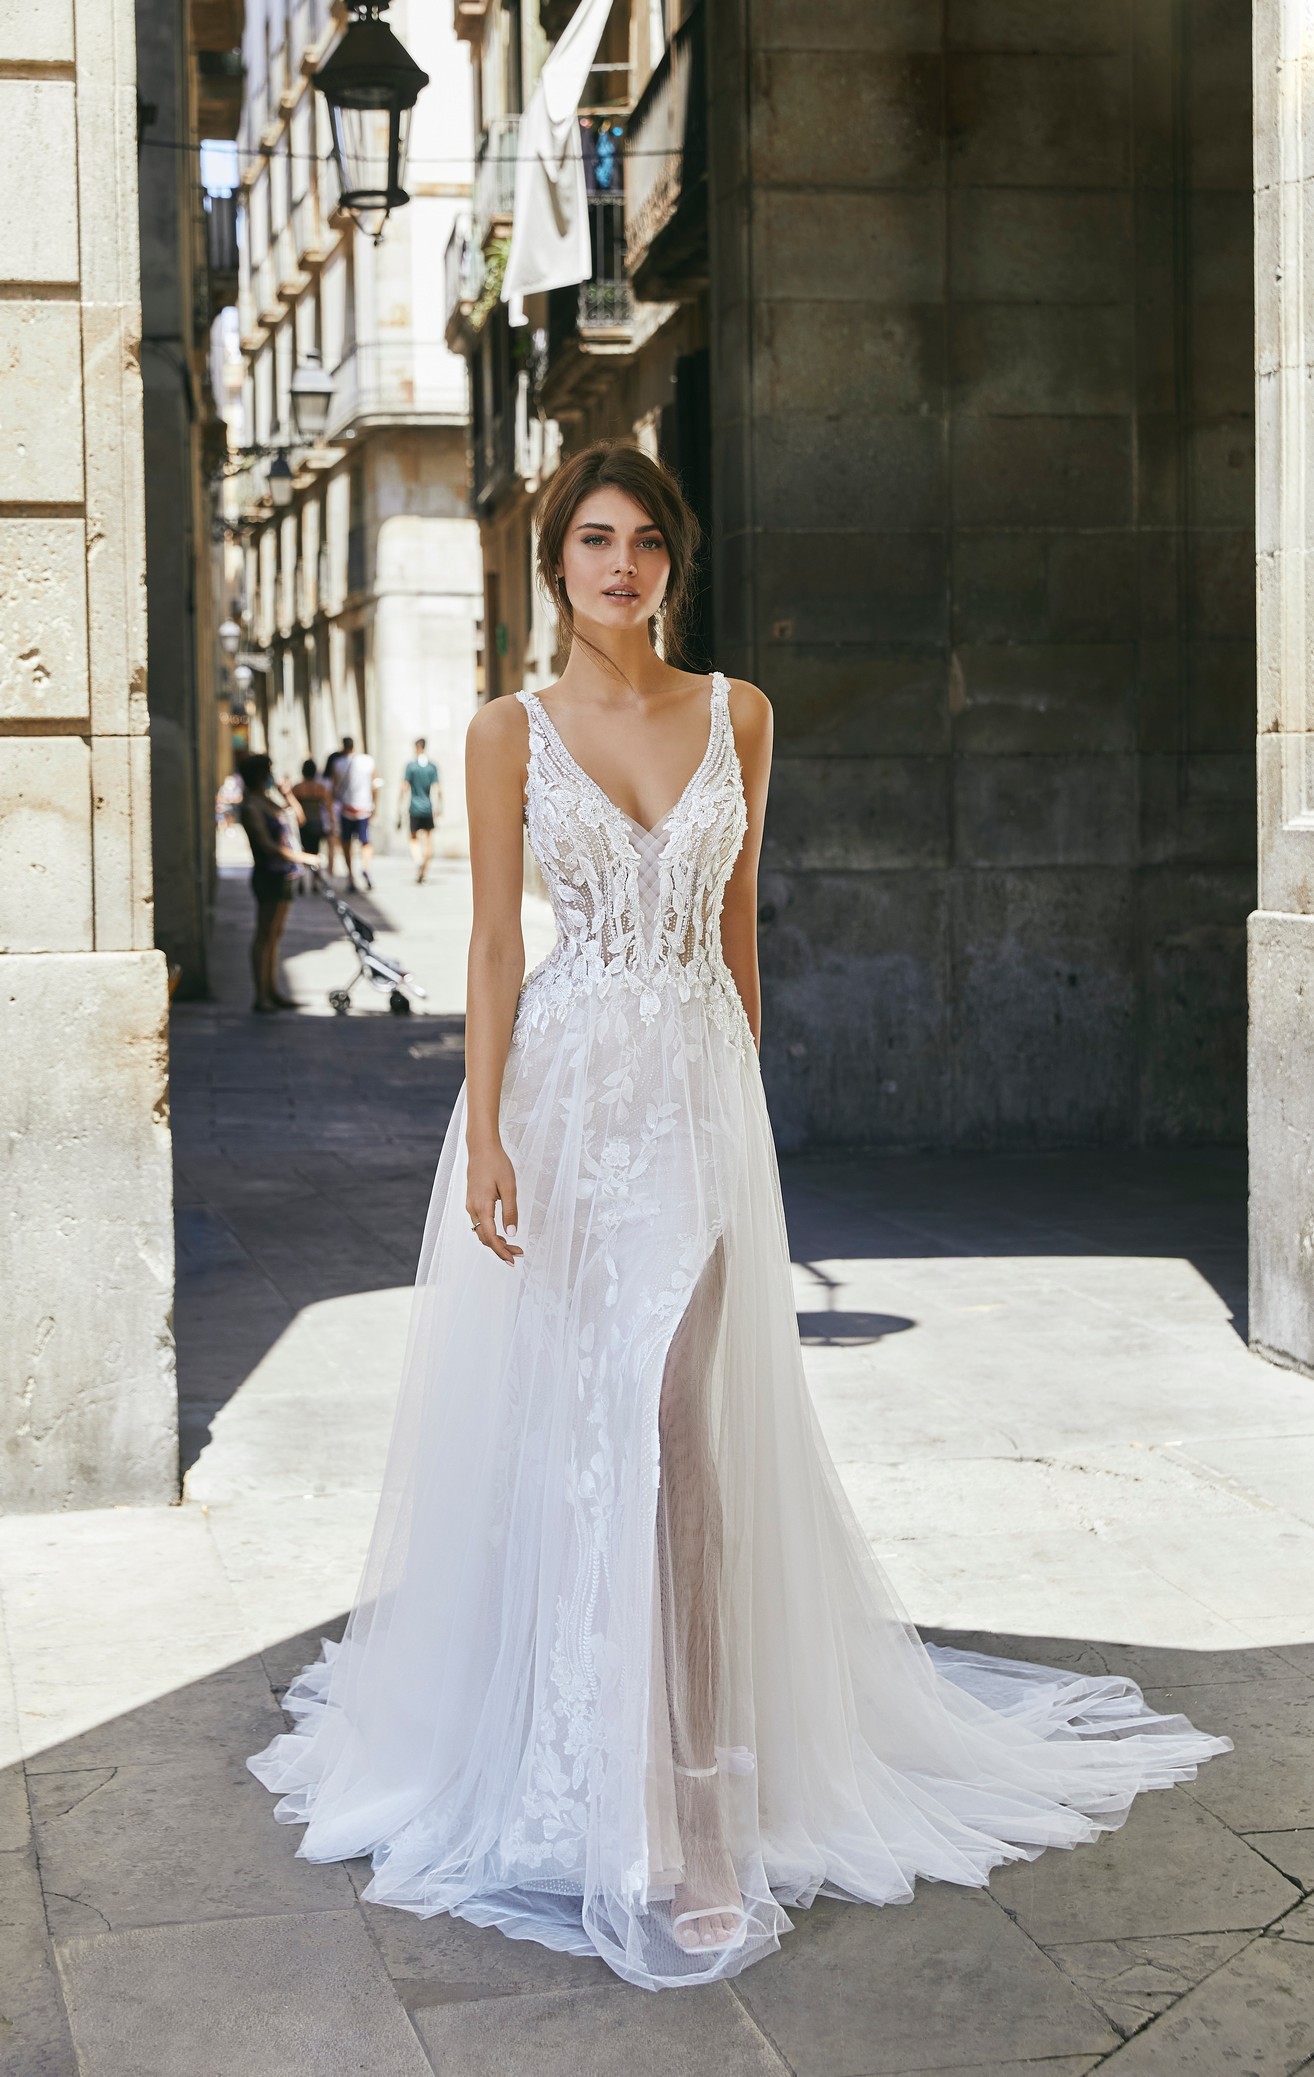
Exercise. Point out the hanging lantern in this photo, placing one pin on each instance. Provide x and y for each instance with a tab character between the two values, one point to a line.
312	389
280	482
371	83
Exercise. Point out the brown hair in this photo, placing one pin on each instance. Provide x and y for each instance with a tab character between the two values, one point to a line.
616	465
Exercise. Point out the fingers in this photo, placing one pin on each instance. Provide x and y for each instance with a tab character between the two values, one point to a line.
482	1213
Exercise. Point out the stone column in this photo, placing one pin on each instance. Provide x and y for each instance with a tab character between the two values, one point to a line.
1282	927
87	1399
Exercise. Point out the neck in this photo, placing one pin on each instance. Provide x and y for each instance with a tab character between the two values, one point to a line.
603	659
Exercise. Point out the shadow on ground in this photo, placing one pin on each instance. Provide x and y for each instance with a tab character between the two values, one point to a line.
192	1942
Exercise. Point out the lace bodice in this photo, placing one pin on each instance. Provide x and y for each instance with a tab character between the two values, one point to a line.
635	908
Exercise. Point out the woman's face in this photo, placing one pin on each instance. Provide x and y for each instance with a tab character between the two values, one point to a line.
614	561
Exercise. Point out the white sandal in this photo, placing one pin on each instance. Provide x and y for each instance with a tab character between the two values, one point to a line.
738	1912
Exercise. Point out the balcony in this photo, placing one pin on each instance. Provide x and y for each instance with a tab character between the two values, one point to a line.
355	560
463	278
593	324
495	178
397	382
221	248
666	173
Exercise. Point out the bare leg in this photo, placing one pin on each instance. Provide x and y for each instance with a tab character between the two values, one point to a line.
689	1542
266	912
276	928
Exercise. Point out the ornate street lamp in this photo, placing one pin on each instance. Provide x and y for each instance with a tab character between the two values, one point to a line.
230	638
371	83
280	482
312	390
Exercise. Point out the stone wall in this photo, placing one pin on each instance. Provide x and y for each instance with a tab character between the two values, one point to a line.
87	1405
981	377
1282	929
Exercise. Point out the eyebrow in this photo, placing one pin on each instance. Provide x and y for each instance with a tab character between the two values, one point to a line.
604	526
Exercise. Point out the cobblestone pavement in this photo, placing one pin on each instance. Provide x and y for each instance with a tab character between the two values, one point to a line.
1031	1375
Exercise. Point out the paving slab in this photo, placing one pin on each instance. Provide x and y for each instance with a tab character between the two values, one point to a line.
177	1842
1292	1852
597	2033
445	1961
1133	1981
1172	1868
34	2030
869	1993
1254	2014
296	1996
1267	1784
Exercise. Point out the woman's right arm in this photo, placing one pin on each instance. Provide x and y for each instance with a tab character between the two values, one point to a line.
495	759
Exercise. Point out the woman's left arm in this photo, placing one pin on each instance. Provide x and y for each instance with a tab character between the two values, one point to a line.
750	716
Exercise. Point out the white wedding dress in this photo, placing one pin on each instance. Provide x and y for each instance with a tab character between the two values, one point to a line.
621	1652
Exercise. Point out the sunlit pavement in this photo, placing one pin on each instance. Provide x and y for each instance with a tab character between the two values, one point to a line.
1032	1377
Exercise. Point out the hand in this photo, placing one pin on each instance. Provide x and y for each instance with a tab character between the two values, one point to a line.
490	1178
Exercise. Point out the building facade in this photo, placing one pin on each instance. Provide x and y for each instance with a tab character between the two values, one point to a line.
944	317
87	1389
360	600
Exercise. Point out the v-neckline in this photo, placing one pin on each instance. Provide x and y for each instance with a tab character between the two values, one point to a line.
646	830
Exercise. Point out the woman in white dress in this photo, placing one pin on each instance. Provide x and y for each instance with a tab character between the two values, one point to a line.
623	1676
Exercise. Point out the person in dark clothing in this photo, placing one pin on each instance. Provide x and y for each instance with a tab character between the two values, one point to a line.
314	796
270	818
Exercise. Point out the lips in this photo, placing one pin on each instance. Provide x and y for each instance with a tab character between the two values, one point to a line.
618	592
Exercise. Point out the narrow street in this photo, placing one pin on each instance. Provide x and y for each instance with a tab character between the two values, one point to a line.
1033	1377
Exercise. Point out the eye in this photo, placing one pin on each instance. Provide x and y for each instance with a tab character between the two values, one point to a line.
653	541
594	540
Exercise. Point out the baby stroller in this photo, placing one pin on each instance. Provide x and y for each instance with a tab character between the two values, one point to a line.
384	974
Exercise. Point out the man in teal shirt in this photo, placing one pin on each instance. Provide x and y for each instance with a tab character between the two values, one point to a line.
419	783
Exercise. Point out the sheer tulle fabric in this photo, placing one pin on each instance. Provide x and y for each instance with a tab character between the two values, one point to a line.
621	1653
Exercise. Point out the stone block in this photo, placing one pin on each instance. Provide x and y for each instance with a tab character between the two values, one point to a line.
1046	1006
116	542
854	980
1222	250
88	1375
1218	117
891	240
864	360
593	2033
1223	357
1042	471
897	1991
1011	811
38	32
281	1996
1038	121
1054	358
45	846
849	25
876	588
1039	245
1093	587
829	814
881	473
1191	813
1193	1045
1254	2013
1158	490
1220	684
39	239
858	701
1286	845
1221	594
1000	587
846	118
1050	697
108	1841
41	367
1281	1108
1171	1869
43	620
120	834
1035	25
1221	458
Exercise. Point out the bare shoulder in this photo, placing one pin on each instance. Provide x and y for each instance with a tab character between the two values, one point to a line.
499	729
750	711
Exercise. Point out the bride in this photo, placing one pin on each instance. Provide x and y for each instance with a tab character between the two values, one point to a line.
623	1676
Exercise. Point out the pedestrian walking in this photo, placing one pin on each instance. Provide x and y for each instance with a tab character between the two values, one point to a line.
336	855
270	818
314	796
624	1676
355	785
420	781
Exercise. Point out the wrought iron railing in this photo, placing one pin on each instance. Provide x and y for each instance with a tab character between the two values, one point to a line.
463	269
397	379
495	175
